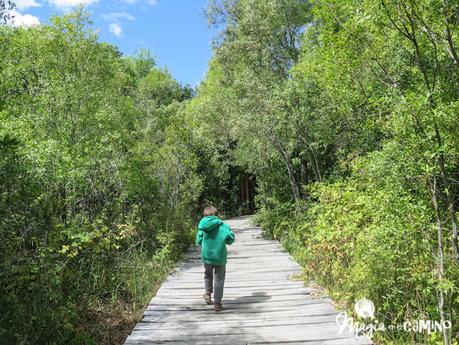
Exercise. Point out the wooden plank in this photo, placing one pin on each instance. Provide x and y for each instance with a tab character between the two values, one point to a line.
336	341
307	332
239	307
262	304
228	319
250	283
274	322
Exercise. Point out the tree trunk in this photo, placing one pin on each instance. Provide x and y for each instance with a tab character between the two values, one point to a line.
311	157
304	178
291	171
315	165
452	216
451	48
450	194
292	178
441	268
291	174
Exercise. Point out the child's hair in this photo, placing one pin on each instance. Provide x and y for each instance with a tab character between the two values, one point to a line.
209	211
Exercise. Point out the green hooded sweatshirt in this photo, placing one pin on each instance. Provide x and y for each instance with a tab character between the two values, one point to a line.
213	235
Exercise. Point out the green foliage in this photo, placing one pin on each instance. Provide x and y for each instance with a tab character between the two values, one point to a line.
98	185
366	236
347	113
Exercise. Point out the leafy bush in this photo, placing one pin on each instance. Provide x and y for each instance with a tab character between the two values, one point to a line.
367	236
92	217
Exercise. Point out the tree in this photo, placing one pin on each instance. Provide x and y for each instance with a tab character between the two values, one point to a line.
256	51
6	8
97	182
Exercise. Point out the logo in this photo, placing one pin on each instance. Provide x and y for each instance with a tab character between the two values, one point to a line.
365	309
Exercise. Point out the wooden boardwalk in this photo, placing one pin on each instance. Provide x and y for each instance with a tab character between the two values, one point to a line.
261	304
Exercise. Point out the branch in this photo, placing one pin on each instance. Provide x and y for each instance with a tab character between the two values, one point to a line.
451	47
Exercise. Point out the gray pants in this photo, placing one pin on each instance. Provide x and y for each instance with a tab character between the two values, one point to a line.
217	288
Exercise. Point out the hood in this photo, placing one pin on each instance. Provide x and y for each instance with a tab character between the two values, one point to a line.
209	223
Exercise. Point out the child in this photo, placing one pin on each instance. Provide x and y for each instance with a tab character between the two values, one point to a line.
213	235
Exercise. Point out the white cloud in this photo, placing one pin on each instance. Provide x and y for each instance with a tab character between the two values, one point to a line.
132	2
116	29
116	16
70	3
23	4
24	19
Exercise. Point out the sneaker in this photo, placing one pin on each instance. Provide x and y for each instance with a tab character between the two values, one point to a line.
207	298
218	307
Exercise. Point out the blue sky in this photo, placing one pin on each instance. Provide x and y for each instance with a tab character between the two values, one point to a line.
175	31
